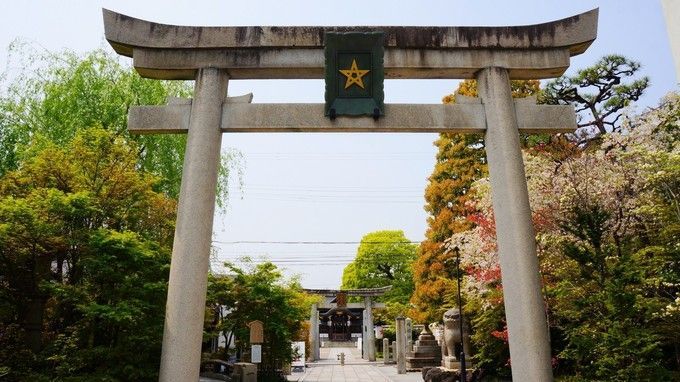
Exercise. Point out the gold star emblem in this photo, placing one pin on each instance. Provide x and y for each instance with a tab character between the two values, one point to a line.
354	75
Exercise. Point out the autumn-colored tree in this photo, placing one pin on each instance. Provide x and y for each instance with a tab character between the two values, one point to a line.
460	161
607	224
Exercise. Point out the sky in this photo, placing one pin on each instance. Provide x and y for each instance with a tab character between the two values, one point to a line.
307	199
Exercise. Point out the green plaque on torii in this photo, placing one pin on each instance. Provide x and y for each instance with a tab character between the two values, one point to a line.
354	74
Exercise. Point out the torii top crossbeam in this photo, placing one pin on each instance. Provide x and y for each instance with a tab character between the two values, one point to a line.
175	52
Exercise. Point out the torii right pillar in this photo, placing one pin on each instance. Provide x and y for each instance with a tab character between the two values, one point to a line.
524	308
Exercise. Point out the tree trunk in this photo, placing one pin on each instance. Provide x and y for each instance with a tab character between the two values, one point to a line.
31	313
31	321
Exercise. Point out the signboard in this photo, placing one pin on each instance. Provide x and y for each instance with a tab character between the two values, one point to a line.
354	74
378	332
256	332
298	349
255	353
341	299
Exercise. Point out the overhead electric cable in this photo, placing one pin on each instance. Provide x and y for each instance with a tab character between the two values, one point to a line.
312	242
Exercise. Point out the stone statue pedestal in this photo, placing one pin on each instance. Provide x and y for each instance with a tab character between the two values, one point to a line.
439	374
450	362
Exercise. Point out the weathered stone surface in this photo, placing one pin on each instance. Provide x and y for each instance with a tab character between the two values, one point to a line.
671	10
188	281
437	374
370	331
425	351
400	345
245	372
314	341
524	308
451	362
387	358
453	336
242	117
128	32
301	63
175	52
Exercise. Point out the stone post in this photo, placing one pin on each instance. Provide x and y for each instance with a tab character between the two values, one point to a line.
409	331
364	335
370	331
314	333
671	10
400	347
524	307
386	350
183	332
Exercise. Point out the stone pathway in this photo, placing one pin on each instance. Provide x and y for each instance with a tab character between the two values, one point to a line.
328	369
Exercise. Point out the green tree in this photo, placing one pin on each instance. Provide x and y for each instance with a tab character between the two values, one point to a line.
598	94
57	94
616	297
84	243
257	292
383	258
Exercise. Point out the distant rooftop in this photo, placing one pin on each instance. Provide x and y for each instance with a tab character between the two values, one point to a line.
363	292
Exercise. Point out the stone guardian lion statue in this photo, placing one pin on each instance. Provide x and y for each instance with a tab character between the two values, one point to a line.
452	335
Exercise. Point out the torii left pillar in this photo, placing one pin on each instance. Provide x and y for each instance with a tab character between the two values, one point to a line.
185	309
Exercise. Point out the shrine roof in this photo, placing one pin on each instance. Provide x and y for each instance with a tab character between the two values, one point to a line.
362	292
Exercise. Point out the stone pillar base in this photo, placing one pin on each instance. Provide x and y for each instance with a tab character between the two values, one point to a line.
450	362
245	372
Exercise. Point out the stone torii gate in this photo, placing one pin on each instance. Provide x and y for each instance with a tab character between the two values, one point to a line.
368	333
213	55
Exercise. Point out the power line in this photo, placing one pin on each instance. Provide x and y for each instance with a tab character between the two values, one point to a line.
296	263
316	264
312	242
315	258
344	201
344	156
407	196
328	191
338	252
330	187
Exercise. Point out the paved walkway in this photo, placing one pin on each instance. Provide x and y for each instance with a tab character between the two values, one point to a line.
328	369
